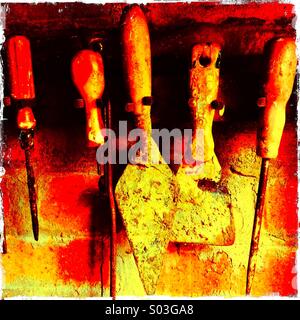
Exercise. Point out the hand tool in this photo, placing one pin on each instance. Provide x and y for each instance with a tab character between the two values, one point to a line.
203	214
88	76
22	90
3	235
146	190
111	197
4	243
277	89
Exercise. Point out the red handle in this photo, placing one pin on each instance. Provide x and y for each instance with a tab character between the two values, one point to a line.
20	68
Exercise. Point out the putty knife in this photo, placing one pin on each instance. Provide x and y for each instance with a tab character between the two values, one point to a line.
203	215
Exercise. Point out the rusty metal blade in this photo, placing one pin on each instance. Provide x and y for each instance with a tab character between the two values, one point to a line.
32	195
203	214
261	194
145	197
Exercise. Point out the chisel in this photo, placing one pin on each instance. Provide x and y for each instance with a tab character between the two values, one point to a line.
277	89
88	76
22	90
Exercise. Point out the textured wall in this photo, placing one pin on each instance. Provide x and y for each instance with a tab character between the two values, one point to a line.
72	255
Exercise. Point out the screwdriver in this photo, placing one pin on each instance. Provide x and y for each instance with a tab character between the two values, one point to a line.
277	89
22	90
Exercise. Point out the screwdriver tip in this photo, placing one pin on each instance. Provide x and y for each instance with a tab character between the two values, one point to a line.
36	236
35	229
4	248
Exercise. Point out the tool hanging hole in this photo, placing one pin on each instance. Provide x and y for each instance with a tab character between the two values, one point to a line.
147	101
205	61
217	105
96	44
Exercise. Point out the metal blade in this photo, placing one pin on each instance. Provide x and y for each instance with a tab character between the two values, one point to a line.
261	194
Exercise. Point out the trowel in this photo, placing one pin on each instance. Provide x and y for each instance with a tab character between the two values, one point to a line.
145	192
203	214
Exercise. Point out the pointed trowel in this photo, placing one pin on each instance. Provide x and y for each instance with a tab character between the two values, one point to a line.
145	191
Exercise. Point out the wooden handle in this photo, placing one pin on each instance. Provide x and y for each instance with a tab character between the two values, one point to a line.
137	63
281	72
88	76
20	68
204	84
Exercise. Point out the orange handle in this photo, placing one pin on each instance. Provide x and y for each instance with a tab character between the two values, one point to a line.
137	63
277	90
88	76
20	68
204	85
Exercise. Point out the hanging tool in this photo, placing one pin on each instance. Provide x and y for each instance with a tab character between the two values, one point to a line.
111	198
281	70
204	86
3	234
145	192
203	214
4	242
22	91
88	76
